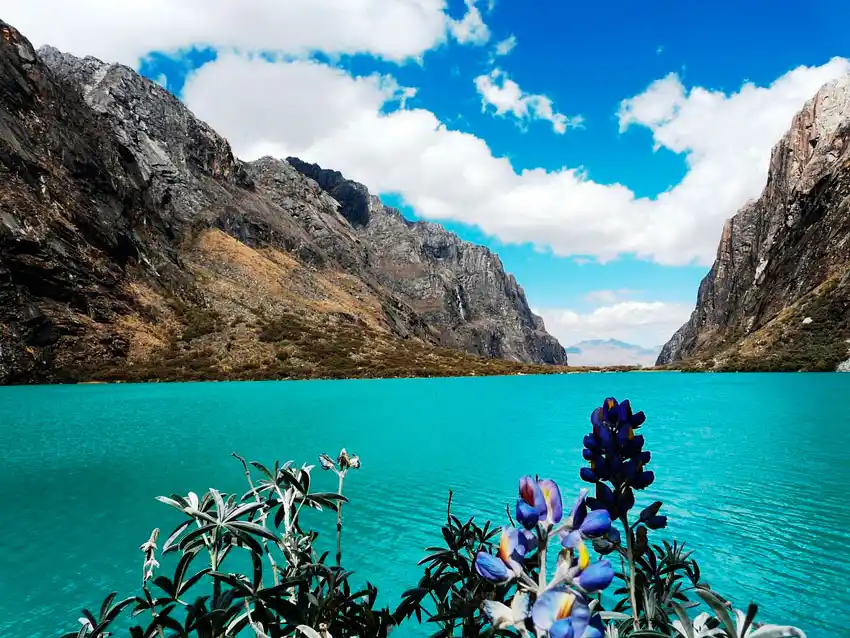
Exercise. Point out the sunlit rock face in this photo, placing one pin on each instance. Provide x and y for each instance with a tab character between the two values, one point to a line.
783	256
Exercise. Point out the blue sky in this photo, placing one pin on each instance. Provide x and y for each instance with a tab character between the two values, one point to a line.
657	86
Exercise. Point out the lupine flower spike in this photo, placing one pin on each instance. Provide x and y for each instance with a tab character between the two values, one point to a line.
559	607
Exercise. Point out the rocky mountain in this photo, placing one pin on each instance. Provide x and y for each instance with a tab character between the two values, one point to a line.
611	352
778	294
134	245
460	288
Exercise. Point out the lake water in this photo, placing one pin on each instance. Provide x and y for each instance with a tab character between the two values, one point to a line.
753	469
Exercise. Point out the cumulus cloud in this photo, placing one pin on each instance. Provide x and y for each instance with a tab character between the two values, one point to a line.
646	324
608	297
127	30
504	47
470	29
499	91
296	108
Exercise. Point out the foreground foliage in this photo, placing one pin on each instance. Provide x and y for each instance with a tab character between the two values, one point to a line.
245	565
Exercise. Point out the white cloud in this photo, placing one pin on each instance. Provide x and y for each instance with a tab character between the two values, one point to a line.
126	30
506	97
646	324
297	108
470	29
505	46
608	297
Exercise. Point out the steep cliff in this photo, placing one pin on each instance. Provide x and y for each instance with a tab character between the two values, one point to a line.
133	244
778	294
459	287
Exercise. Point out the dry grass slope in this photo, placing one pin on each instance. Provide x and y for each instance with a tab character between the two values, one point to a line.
813	335
264	315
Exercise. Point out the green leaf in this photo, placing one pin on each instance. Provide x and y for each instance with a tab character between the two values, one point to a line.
165	584
104	607
752	610
167	546
177	502
263	469
117	608
684	619
245	509
614	615
219	502
253	528
246	539
719	608
192	580
195	533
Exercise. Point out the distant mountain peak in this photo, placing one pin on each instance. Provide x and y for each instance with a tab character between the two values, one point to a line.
609	352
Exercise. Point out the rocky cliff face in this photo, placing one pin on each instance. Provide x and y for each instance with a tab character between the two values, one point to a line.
134	245
778	294
458	287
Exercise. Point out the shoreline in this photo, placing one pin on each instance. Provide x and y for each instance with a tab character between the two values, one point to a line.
177	378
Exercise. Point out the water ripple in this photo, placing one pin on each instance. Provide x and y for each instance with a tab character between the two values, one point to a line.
751	477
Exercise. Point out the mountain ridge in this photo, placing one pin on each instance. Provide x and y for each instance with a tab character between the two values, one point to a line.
134	244
611	352
778	294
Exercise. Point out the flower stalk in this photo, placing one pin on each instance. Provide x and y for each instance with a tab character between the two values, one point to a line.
630	554
344	462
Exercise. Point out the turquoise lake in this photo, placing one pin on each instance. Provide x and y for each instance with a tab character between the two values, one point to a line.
753	470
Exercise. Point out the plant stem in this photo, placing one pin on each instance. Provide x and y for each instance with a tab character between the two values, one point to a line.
339	523
631	553
263	515
544	545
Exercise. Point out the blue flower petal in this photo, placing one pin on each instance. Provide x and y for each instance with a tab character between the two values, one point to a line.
605	438
578	509
624	412
604	494
571	540
526	515
609	410
512	548
552	498
587	475
597	576
643	480
526	489
595	629
562	629
627	500
597	523
638	419
491	568
656	522
596	417
591	443
530	541
550	607
625	434
580	616
601	468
